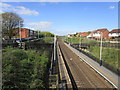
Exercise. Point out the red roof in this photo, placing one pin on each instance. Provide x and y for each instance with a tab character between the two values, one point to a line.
115	31
84	34
99	30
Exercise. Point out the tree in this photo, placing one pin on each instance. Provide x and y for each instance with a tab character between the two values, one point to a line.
44	34
10	23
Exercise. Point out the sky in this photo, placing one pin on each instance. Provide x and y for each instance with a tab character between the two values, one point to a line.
64	18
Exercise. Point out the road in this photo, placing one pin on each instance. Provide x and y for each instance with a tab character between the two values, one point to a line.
83	75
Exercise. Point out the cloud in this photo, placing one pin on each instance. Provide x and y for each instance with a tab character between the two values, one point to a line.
4	5
112	7
18	9
43	26
25	11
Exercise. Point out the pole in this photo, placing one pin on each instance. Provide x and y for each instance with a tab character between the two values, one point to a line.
20	31
80	41
101	49
54	48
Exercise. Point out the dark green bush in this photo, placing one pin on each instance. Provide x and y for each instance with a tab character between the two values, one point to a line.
24	69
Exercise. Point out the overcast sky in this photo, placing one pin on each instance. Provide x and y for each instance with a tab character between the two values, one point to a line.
63	18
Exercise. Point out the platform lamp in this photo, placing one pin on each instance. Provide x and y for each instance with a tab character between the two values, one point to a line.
101	36
80	41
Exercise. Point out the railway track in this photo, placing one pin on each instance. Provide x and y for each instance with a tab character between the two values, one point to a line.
81	75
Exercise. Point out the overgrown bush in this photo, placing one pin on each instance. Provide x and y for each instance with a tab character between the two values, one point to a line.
24	69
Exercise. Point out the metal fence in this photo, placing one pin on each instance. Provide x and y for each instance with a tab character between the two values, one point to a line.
109	45
108	66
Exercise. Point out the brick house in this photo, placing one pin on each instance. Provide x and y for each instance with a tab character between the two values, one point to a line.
99	33
115	33
90	35
25	33
83	34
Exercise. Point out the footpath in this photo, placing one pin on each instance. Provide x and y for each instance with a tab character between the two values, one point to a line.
111	77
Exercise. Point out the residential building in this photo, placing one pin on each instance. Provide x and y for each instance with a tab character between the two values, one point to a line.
70	35
83	34
99	33
90	35
115	33
25	33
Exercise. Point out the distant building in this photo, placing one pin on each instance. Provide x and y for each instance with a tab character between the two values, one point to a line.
90	35
25	33
83	34
70	35
99	33
115	33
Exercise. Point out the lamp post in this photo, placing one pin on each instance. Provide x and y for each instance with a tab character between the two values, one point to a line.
54	48
80	41
101	36
20	30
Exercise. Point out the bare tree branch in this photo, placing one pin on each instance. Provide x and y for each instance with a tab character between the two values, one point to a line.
10	23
